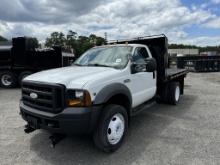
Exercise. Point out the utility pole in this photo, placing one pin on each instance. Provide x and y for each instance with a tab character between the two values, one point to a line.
106	37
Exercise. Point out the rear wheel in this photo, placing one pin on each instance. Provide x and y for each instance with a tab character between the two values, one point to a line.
8	79
112	128
173	93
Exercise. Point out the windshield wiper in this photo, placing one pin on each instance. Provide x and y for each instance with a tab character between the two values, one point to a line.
101	65
77	64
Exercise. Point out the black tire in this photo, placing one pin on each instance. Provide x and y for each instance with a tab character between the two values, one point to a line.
173	93
23	75
8	79
162	98
100	136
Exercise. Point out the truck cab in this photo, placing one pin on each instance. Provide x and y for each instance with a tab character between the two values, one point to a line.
126	65
99	93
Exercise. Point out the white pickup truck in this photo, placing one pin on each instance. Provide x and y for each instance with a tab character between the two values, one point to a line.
100	92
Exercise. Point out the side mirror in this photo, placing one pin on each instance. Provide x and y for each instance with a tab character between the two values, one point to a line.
136	68
151	65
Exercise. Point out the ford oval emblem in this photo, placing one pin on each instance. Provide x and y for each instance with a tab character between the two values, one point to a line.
33	95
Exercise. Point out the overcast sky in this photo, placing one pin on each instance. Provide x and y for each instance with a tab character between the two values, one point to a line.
183	21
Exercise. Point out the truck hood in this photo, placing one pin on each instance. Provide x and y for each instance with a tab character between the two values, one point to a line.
74	76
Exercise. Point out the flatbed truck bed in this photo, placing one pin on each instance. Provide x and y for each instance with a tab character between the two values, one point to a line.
158	45
173	73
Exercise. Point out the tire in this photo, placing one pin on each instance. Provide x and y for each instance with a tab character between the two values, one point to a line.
23	75
162	98
173	93
8	79
113	119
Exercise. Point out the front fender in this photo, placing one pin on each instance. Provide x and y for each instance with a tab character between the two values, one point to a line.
110	90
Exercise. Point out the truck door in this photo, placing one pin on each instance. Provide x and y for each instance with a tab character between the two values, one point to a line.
143	84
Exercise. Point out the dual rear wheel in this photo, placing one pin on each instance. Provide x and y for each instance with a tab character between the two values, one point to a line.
173	96
171	93
8	79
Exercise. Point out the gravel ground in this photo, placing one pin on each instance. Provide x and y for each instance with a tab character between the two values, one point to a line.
185	134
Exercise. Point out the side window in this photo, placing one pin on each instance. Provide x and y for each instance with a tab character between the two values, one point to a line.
140	55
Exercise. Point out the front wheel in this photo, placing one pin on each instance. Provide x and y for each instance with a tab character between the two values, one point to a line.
112	128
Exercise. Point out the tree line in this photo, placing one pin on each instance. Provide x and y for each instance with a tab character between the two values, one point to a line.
201	49
79	44
3	39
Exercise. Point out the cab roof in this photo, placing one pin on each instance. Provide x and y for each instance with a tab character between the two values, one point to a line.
113	45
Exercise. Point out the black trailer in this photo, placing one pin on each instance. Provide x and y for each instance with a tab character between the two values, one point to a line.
158	45
199	63
5	56
23	58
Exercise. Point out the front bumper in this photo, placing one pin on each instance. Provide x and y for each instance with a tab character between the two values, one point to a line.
72	120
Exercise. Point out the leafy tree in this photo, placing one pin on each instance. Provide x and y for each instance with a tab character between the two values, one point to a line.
79	44
83	44
56	38
3	39
100	41
93	38
71	40
33	42
71	35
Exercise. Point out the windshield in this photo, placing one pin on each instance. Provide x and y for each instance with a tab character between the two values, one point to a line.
110	56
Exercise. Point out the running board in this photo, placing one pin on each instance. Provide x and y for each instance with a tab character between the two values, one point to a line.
143	106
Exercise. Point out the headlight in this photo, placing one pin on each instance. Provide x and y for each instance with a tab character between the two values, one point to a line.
78	98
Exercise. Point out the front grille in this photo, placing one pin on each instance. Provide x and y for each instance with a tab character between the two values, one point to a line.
49	98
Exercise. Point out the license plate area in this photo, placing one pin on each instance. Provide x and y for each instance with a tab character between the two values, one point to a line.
33	122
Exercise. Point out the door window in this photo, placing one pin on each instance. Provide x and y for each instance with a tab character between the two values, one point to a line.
140	55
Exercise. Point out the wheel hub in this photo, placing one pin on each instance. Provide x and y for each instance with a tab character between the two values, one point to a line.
116	128
177	93
6	80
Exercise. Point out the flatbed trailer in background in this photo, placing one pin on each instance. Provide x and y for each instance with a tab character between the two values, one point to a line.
199	63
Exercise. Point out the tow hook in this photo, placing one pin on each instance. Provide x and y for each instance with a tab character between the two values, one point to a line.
56	138
28	129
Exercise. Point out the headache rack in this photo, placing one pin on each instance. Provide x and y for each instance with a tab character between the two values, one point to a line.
48	97
158	45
